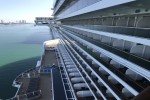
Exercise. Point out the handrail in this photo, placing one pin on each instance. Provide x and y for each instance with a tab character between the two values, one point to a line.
62	64
113	89
25	95
68	76
114	30
20	83
131	57
129	81
117	72
130	38
77	66
78	62
113	69
52	85
118	57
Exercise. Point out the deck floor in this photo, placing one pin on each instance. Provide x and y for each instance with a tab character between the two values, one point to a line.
45	86
45	79
49	58
25	83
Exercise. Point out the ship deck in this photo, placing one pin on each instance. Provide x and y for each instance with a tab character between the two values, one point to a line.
49	58
45	83
45	87
56	90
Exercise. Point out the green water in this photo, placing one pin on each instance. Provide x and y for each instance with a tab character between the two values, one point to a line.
20	48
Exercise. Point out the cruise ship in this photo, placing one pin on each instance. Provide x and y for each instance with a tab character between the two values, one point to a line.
100	51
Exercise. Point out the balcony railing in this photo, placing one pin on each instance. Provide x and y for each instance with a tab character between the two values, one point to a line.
132	31
83	65
128	56
101	75
131	82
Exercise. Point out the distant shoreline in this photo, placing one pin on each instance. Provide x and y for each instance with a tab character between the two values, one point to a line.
14	23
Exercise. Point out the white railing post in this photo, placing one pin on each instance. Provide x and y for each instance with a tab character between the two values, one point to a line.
18	97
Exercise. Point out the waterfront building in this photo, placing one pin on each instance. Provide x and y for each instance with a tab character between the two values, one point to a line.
43	20
1	22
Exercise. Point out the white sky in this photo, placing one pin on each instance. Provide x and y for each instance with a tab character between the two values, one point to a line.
12	10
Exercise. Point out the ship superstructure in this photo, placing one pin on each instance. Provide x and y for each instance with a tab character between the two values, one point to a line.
100	51
107	45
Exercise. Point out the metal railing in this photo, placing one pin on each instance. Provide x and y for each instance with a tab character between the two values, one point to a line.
114	89
128	56
31	95
128	80
78	66
67	76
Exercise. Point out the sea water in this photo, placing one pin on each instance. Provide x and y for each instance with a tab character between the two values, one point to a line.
20	48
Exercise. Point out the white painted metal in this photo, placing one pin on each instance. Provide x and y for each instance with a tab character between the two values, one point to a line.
100	83
112	74
86	93
116	64
136	68
144	41
133	75
112	80
80	86
70	66
97	6
127	93
115	95
72	70
109	93
77	80
88	75
75	74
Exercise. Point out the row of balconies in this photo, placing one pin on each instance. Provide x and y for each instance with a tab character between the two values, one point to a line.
77	82
74	5
127	72
139	21
108	93
128	25
131	51
93	83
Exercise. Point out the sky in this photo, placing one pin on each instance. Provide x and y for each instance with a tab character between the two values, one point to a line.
12	10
